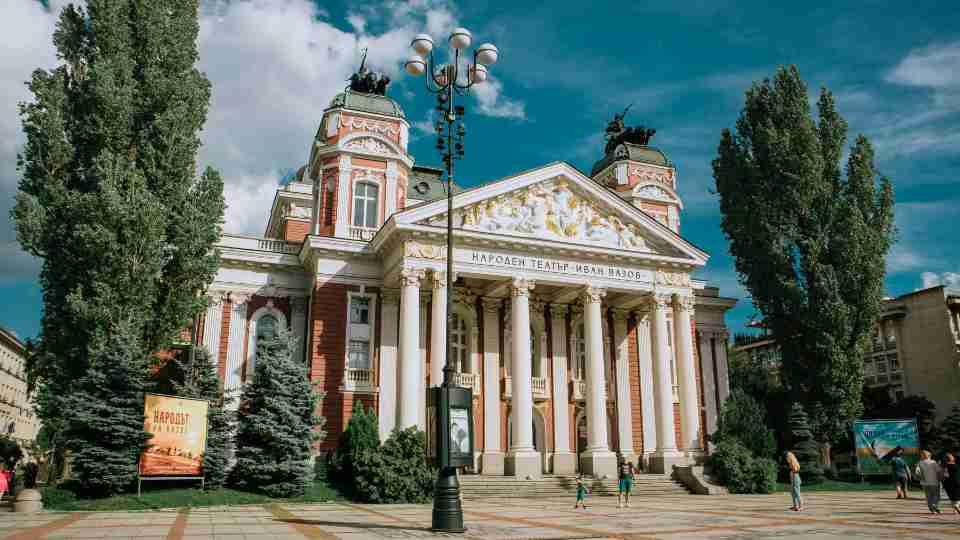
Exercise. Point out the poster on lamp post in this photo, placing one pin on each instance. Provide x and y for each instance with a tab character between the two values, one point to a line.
179	429
877	442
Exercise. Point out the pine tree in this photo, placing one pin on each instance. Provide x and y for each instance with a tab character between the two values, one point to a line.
110	201
275	428
804	446
362	435
808	244
198	379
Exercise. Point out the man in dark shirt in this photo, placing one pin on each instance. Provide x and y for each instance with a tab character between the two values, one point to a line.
625	473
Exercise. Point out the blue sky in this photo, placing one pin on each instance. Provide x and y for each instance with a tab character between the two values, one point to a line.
565	68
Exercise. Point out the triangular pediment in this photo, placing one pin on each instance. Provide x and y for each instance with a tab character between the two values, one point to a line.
556	203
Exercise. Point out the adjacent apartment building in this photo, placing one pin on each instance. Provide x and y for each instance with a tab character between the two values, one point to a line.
17	419
914	350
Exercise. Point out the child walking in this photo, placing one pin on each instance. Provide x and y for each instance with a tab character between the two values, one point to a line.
581	494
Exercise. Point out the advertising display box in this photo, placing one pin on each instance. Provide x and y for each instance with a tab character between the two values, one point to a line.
877	441
179	438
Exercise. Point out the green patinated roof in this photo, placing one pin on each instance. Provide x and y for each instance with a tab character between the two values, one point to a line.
425	184
632	152
371	103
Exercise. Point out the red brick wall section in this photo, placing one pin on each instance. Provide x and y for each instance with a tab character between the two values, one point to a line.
327	354
224	341
676	425
295	230
636	405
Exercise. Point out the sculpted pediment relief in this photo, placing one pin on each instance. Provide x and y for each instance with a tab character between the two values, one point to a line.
654	192
550	210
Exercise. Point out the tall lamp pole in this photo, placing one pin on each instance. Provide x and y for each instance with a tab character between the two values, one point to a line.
448	81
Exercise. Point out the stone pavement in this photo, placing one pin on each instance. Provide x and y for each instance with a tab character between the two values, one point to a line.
867	515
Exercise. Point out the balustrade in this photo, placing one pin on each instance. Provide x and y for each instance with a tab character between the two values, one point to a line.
468	380
358	379
362	233
541	387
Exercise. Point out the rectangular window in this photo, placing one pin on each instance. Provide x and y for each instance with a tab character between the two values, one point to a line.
328	205
359	310
365	199
359	357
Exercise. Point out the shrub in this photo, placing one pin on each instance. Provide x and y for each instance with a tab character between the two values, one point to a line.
744	419
397	472
739	471
362	435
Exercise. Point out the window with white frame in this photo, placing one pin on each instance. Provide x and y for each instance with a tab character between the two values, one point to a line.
360	310
365	197
458	340
359	353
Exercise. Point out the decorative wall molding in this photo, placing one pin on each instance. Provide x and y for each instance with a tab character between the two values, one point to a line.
425	251
673	279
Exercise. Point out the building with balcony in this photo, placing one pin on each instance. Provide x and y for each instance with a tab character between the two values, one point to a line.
914	347
17	419
577	321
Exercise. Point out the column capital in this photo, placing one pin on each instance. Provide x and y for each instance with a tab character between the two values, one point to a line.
620	315
411	277
559	311
660	301
438	279
491	305
389	297
238	298
684	302
217	297
593	295
521	287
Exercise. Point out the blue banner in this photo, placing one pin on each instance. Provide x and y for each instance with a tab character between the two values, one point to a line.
877	441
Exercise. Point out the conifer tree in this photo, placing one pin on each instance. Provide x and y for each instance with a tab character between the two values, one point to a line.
808	243
110	201
200	381
804	446
275	427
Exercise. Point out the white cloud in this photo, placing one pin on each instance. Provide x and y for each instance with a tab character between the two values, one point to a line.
491	101
932	279
934	66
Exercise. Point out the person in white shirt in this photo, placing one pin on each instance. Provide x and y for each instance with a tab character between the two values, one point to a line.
930	474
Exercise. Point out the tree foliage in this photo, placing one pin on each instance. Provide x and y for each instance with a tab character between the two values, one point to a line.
803	445
808	243
740	471
397	472
362	435
950	432
10	452
109	199
743	419
275	427
878	405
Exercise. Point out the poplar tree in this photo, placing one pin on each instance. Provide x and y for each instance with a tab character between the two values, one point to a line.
276	422
808	242
111	202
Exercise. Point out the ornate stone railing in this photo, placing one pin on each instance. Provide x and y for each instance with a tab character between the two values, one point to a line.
358	380
468	380
362	233
259	244
541	387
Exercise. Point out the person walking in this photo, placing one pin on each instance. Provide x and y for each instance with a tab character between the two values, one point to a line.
951	482
794	467
625	475
901	474
929	473
581	493
4	481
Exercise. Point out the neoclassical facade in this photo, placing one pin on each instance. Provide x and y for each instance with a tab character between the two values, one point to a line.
577	322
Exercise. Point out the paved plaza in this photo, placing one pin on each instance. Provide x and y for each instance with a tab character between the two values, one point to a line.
831	515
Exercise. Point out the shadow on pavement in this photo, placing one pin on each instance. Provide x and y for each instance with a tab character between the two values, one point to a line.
351	525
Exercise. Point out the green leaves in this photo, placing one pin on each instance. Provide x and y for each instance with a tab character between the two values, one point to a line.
808	244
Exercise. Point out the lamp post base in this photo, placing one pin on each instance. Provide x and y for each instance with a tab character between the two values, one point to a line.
447	511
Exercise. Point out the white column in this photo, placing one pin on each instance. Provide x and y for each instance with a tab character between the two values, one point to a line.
686	374
564	461
235	346
389	313
666	454
438	328
597	460
647	407
342	224
422	384
298	321
411	376
711	407
624	401
523	460
492	460
212	323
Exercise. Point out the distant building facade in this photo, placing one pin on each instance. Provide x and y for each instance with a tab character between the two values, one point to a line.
17	419
914	348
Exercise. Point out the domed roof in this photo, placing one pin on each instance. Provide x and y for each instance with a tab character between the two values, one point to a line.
371	103
632	152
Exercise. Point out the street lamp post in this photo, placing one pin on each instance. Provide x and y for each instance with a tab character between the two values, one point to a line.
448	81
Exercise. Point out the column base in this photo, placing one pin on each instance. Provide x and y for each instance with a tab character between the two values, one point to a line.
564	463
523	464
662	461
599	463
491	463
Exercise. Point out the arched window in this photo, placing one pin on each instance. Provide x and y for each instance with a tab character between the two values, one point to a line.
365	197
267	327
265	324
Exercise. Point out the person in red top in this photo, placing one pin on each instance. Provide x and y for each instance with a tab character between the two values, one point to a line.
4	481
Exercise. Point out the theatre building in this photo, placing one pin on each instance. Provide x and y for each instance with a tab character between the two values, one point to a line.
578	323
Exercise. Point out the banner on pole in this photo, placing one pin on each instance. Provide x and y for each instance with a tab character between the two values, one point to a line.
877	441
179	428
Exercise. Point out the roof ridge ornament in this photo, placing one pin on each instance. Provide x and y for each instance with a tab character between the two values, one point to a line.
368	82
617	132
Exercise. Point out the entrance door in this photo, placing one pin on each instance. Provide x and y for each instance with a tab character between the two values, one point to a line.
581	437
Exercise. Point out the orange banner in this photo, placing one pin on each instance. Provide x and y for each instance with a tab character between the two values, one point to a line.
179	428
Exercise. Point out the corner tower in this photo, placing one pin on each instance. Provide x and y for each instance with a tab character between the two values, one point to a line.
359	165
638	172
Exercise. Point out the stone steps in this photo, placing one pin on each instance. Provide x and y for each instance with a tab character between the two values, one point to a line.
644	485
